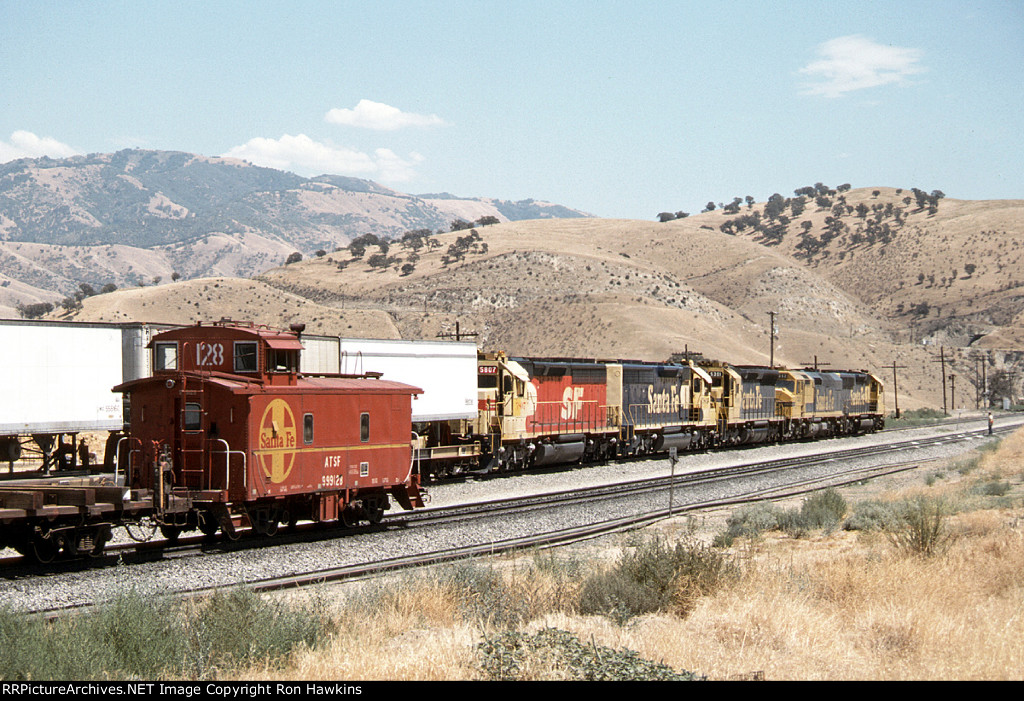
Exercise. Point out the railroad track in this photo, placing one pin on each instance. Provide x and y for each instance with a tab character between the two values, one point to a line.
790	478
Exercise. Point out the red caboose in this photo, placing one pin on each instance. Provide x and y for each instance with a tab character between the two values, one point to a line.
227	432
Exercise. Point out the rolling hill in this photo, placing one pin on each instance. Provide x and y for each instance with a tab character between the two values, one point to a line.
130	217
634	289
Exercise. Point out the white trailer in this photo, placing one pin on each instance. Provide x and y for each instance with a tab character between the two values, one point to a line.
321	355
56	379
444	370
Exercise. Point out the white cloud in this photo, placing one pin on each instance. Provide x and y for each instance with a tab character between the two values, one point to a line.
25	144
855	63
376	115
303	155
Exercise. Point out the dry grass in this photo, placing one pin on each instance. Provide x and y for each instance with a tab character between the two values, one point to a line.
839	606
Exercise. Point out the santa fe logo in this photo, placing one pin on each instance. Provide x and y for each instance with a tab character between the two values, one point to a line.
278	439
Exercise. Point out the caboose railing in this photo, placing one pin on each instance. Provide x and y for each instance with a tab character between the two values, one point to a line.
132	452
227	463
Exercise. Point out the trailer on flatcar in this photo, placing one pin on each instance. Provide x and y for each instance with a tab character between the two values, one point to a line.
57	380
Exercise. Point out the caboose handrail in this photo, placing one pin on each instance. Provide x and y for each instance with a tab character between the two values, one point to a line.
227	464
117	457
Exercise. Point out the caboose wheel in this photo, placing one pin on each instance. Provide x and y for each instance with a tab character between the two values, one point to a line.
350	517
100	538
208	524
171	533
375	513
266	526
44	550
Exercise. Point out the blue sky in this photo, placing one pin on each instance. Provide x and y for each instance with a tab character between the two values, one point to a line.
622	109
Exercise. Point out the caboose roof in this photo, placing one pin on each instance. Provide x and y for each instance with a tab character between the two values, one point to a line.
281	340
304	385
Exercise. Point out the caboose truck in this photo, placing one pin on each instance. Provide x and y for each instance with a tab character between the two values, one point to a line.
227	433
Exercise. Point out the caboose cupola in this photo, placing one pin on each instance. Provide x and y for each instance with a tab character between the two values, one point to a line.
233	348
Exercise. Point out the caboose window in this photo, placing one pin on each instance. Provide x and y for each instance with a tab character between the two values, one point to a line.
364	427
245	356
165	356
282	360
307	428
193	417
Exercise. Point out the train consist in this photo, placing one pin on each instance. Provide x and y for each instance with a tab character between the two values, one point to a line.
235	425
536	411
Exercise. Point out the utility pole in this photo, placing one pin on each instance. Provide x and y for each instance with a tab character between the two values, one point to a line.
771	331
952	389
816	364
458	335
895	390
942	360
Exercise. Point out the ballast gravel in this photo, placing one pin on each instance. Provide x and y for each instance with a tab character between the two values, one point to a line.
169	575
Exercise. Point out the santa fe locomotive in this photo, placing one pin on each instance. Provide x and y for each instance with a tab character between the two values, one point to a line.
234	427
535	411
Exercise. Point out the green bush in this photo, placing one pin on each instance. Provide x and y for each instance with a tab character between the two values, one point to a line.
916	417
823	509
557	655
484	595
921	526
992	488
656	576
751	521
872	516
143	637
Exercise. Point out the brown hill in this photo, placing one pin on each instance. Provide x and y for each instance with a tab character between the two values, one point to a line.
634	289
135	216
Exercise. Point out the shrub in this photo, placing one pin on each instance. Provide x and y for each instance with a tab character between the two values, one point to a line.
921	527
557	655
993	488
872	516
751	521
143	637
823	509
915	417
655	576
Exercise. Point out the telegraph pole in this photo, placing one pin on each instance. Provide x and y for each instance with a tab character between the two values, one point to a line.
771	331
458	335
895	391
952	389
942	359
816	364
